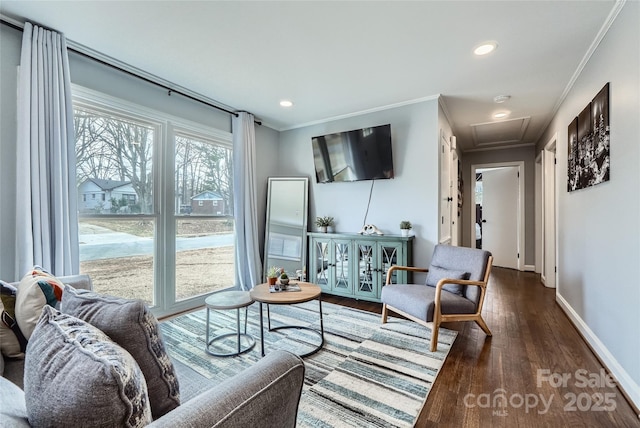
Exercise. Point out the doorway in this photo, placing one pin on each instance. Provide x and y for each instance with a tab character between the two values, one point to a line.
497	212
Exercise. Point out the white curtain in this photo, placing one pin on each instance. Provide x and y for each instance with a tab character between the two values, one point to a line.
47	219
248	266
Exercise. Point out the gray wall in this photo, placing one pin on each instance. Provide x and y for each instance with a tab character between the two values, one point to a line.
599	227
526	154
411	195
267	162
10	42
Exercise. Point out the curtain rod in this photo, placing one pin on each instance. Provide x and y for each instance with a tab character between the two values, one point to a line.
130	73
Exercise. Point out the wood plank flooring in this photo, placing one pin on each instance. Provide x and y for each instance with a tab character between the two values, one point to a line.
515	378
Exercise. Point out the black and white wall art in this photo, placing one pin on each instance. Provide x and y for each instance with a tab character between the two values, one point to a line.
588	144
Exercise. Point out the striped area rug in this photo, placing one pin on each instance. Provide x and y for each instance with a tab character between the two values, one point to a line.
367	374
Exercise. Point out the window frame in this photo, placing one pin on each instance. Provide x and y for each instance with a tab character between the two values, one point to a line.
166	127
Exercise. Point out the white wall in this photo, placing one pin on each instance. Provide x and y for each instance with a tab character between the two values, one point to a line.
599	227
411	195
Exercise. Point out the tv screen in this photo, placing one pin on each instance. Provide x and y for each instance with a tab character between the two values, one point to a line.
361	154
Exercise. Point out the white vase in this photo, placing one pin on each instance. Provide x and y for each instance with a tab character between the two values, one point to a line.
404	232
323	229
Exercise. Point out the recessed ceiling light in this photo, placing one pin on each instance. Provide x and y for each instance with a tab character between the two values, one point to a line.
501	98
286	103
485	48
501	114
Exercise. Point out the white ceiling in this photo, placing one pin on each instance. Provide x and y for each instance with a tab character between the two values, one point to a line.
335	59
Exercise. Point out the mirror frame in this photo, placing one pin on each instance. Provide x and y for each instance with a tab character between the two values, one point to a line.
271	192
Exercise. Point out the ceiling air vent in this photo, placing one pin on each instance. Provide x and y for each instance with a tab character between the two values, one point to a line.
503	132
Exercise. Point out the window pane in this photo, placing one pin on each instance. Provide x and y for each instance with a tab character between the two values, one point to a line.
113	161
118	255
204	227
114	175
204	256
203	177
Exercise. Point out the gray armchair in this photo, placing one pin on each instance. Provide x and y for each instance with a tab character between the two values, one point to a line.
454	291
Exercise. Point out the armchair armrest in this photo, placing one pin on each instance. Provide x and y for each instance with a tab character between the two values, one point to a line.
406	268
266	394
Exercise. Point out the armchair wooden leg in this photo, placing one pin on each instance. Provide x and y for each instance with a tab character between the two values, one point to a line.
483	326
384	313
434	336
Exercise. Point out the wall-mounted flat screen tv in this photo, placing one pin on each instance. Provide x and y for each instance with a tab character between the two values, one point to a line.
361	154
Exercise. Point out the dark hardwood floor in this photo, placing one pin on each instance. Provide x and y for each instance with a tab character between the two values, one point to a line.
535	371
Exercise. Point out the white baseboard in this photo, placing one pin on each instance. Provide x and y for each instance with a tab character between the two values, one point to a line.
629	388
529	268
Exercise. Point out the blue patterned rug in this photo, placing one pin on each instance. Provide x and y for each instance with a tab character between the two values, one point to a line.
367	374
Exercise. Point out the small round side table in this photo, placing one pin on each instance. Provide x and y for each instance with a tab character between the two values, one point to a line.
224	301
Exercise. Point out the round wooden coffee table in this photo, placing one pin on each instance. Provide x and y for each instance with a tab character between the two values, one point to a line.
260	293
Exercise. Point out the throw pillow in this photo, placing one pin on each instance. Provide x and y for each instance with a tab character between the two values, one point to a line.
130	324
36	289
12	342
12	411
437	273
75	375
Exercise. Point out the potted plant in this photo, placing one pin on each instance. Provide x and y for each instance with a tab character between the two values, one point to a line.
323	223
405	226
284	280
272	274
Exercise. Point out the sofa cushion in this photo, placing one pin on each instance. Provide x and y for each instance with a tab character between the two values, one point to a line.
76	376
436	273
36	289
9	343
130	324
13	412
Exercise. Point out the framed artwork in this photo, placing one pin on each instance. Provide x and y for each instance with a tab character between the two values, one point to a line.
588	144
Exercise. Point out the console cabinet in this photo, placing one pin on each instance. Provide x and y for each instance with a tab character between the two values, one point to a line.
354	265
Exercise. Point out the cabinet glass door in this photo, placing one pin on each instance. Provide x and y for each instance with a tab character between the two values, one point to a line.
368	277
390	255
341	266
320	262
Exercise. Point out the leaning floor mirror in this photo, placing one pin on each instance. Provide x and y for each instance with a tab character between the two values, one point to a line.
286	224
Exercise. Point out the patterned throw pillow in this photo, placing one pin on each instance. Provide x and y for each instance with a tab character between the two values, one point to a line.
10	343
36	289
76	376
130	324
437	273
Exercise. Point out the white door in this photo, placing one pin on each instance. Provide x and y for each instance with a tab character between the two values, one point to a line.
445	189
455	220
500	190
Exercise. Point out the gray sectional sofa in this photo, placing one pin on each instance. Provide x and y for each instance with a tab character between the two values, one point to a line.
266	394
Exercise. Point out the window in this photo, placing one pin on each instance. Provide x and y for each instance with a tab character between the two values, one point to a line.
147	207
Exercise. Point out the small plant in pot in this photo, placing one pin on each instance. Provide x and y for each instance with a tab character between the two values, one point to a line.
323	223
284	280
405	227
272	274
